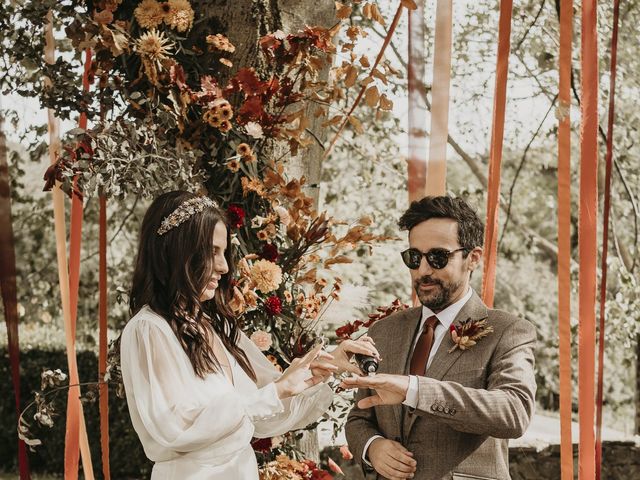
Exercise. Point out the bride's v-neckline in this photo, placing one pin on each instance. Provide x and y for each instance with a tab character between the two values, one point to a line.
230	359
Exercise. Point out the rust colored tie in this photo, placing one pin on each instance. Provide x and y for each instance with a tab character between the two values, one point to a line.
423	347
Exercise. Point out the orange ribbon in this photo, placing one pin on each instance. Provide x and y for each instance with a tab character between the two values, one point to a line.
564	238
437	166
76	434
605	235
495	154
587	235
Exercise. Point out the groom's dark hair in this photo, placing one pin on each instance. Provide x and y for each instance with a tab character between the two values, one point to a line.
470	228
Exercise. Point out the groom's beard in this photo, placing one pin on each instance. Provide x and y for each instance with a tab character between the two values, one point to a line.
439	297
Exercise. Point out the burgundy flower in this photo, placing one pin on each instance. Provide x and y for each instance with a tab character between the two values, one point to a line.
262	445
270	252
273	305
236	216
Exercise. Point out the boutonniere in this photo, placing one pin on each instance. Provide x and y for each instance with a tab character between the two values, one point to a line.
467	334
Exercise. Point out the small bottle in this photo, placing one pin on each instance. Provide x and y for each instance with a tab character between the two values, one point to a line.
367	364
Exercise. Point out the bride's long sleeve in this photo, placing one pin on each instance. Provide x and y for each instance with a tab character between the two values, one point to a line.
169	405
299	411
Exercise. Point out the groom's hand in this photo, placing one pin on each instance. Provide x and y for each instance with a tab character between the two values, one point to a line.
390	389
391	460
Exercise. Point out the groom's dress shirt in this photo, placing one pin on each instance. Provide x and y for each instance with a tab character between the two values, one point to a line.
445	319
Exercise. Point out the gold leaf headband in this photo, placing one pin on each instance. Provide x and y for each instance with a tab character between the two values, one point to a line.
184	211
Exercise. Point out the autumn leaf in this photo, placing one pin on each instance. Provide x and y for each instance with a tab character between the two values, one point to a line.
335	120
364	61
250	83
352	75
371	96
356	124
385	103
376	15
366	220
381	76
309	276
252	109
337	260
342	11
176	74
409	4
366	81
366	11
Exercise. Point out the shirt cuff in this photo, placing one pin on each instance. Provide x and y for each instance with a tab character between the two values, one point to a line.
411	399
366	448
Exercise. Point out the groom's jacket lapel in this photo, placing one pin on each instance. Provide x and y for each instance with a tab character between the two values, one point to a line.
443	361
400	346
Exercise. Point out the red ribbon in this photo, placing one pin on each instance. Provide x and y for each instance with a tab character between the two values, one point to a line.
102	356
9	291
605	235
564	239
587	235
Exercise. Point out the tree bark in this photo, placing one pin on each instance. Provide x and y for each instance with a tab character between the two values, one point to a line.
244	22
637	402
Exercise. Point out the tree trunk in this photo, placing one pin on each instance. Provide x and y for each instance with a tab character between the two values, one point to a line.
637	402
244	22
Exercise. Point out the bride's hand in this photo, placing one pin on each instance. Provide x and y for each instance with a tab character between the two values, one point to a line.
344	351
305	372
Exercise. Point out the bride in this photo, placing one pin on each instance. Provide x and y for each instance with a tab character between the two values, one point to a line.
197	388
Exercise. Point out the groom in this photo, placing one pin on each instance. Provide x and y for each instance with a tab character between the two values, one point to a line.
444	402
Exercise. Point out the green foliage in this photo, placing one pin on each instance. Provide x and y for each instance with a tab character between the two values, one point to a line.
127	456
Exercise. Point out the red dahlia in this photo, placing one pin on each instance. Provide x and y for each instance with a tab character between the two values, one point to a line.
273	305
236	216
270	252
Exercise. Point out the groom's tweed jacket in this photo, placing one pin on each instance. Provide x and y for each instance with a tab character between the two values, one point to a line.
470	402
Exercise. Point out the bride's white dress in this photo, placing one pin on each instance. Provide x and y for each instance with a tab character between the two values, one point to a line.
195	428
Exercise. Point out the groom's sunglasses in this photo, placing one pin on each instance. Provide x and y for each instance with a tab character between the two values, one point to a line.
436	257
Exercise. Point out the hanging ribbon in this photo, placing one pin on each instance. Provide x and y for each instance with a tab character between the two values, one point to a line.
102	355
564	238
437	166
605	235
9	290
75	242
385	44
417	163
587	235
76	435
495	153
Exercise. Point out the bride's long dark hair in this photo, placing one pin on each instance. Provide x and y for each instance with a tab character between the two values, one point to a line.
171	273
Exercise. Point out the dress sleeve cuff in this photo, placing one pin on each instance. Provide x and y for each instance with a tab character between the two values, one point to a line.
264	403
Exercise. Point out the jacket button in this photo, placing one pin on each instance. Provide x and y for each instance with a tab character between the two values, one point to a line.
440	408
446	410
434	407
453	411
